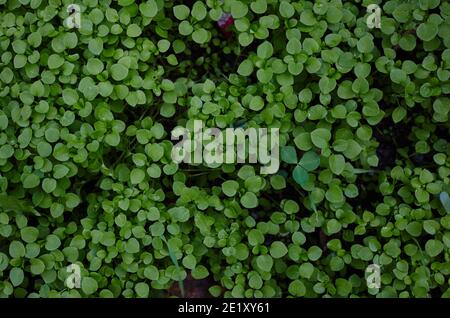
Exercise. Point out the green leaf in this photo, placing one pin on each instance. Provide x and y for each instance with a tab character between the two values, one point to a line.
37	266
286	9
422	195
6	151
44	149
310	161
333	226
70	40
256	103
255	237
408	42
108	239
200	36
37	89
3	121
337	164
249	200
238	9
9	202
198	11
151	272
306	270
320	137
200	272
314	253
245	68
163	45
16	249
134	30
365	44
6	75
343	287
434	247
70	96
278	182
55	61
31	181
185	28
259	6
29	234
278	249
132	246
189	261
264	262
398	76
137	176
289	154
352	150
255	281
52	243
290	207
149	8
118	72
230	187
95	46
334	194
294	46
427	31
89	285
181	11
264	75
16	276
179	214
445	201
398	114
308	18
265	50
125	3
327	85
300	175
142	290
414	228
297	288
94	66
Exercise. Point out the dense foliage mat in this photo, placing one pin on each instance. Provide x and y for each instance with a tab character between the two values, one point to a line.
86	175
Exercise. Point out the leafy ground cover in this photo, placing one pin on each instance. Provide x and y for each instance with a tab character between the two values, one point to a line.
86	175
